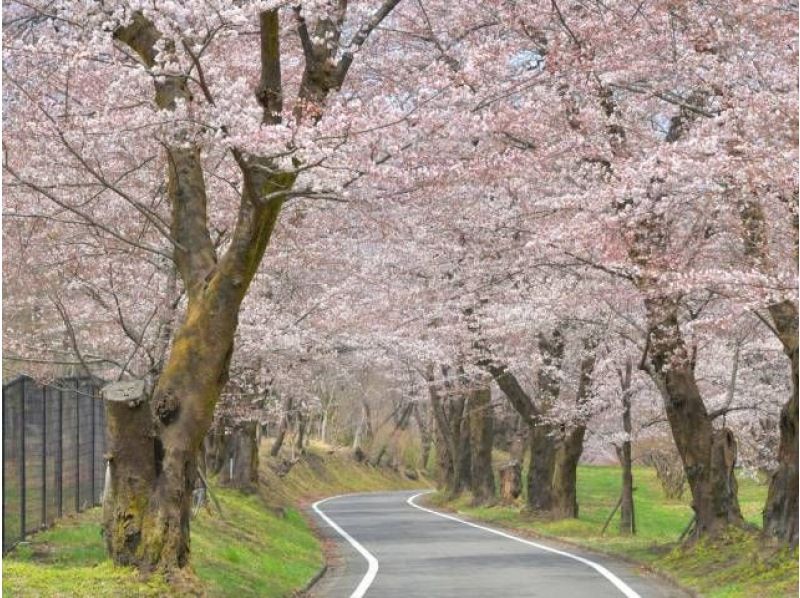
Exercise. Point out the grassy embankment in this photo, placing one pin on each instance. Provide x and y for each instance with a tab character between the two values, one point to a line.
262	546
737	566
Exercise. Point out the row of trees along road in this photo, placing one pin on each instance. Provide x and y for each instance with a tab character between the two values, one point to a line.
589	210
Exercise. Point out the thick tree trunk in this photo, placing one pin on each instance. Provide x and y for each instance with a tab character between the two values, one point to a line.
131	460
570	448
214	449
445	447
363	435
708	457
240	463
565	484
481	428
543	441
323	426
541	467
424	433
519	441
459	430
189	385
283	427
300	438
510	482
780	512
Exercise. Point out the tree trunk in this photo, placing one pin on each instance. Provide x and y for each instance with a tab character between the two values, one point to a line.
445	447
481	428
570	447
283	427
565	472
780	512
459	430
299	440
182	410
424	434
240	465
708	457
215	449
541	468
543	442
323	426
627	521
510	482
519	441
131	461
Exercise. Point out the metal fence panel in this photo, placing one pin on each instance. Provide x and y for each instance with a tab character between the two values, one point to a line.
53	446
12	458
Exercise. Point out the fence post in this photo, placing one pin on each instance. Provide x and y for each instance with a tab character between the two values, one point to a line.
5	431
60	454
44	455
77	447
94	475
22	460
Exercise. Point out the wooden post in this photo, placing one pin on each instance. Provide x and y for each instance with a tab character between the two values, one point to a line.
619	502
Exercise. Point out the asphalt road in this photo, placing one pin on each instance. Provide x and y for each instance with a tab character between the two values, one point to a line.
384	546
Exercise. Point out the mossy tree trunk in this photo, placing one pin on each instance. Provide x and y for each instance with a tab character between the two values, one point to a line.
544	441
240	458
422	419
708	456
570	448
780	512
148	524
481	429
283	427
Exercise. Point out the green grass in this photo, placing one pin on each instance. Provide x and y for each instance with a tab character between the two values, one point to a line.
69	560
262	546
326	472
737	566
253	551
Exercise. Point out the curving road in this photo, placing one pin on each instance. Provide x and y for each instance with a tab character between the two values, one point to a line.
387	545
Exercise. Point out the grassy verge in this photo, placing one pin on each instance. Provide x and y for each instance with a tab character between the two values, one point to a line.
262	546
736	566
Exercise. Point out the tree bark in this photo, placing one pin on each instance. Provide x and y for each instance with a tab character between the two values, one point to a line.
214	449
543	440
131	460
240	463
459	430
283	427
708	456
781	510
481	429
565	472
627	521
445	447
570	449
424	434
510	482
541	468
301	422
363	433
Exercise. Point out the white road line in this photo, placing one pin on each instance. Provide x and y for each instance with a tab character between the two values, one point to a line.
372	569
618	583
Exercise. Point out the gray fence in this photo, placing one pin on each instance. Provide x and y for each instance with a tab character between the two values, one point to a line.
53	445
